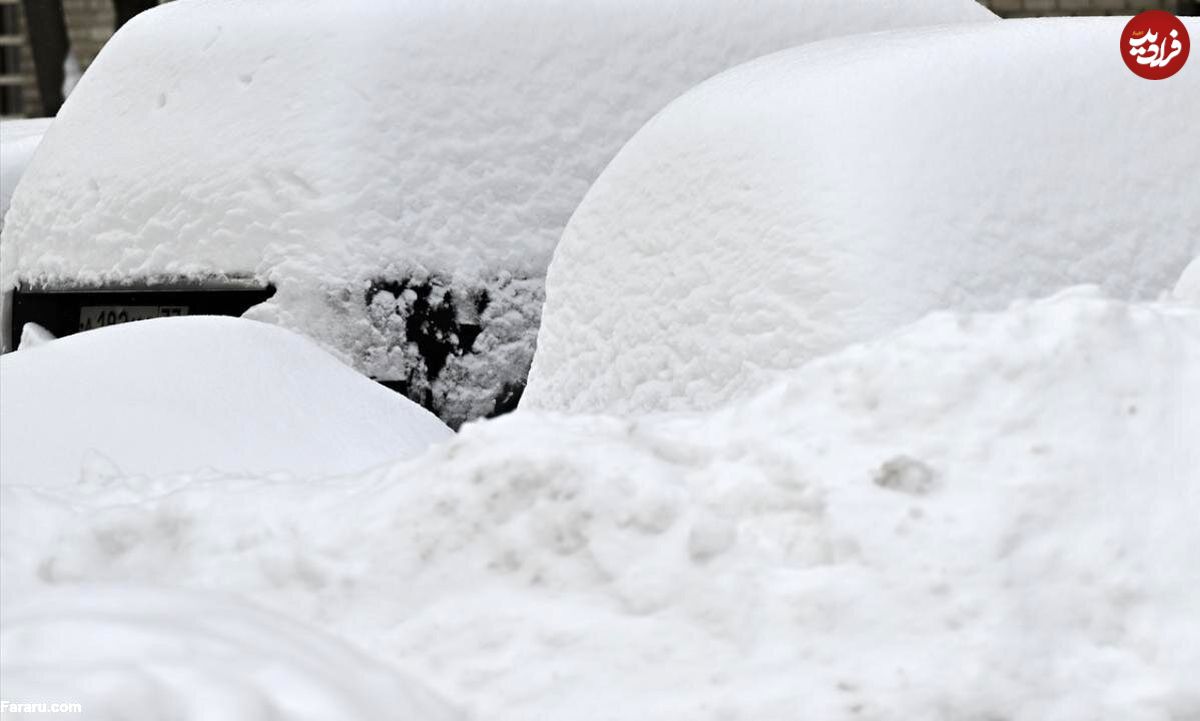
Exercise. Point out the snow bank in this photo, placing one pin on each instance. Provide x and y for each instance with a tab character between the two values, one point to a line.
143	653
33	335
341	150
18	140
827	194
178	394
1188	287
980	516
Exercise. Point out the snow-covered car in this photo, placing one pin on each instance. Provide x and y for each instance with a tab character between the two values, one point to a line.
748	229
387	178
173	395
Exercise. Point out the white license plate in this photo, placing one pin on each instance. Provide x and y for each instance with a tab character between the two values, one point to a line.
98	316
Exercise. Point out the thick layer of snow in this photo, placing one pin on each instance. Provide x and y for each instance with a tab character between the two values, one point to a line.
324	146
982	516
18	140
827	194
178	394
144	653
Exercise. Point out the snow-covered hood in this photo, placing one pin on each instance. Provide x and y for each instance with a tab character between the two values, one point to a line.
175	394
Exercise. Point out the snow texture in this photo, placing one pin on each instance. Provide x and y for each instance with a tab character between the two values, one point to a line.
33	335
332	148
178	394
981	516
1188	287
828	194
145	653
18	140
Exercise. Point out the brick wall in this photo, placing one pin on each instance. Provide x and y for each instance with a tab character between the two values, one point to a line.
1033	8
90	23
89	26
12	37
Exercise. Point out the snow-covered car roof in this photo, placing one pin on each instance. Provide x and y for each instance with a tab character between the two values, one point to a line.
339	149
220	136
830	193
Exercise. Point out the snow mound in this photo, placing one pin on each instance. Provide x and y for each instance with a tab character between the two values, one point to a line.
179	394
18	140
33	335
981	516
827	194
439	145
1188	287
143	653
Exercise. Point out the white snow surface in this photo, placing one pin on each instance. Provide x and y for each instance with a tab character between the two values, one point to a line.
1188	287
180	394
18	140
154	654
322	145
982	515
33	335
827	194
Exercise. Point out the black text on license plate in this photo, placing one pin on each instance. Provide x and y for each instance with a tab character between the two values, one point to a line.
98	316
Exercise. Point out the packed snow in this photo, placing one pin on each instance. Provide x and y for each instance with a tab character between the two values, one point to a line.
18	140
334	148
830	193
179	394
980	516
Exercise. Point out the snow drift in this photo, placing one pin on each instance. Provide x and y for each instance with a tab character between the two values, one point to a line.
1188	287
353	152
145	653
983	515
179	394
830	193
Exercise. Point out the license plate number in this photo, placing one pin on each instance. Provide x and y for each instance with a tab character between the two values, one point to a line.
98	316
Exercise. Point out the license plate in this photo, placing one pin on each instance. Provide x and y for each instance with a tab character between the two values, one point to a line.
98	316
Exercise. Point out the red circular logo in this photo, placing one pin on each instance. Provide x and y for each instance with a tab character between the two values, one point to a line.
1155	44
